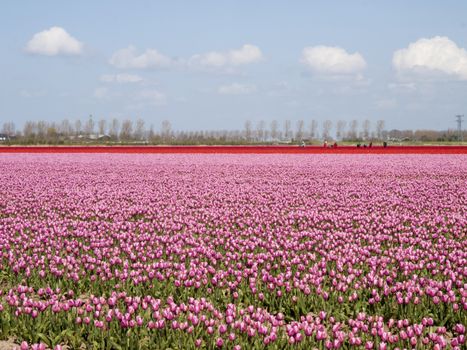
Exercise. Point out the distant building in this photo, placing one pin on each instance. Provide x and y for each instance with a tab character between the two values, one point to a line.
4	138
285	141
105	137
92	137
99	137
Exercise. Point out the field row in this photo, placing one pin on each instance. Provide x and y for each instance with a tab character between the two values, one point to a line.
239	149
119	251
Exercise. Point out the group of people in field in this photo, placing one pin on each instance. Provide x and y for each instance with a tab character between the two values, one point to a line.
334	145
325	144
365	145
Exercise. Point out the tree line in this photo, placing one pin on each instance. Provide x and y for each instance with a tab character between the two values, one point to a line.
137	131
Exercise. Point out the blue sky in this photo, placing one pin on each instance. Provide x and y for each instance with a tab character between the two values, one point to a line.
216	64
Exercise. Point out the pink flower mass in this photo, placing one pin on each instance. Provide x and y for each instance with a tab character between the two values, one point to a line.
238	251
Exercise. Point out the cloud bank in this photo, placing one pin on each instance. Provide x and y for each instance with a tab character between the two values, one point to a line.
247	54
128	58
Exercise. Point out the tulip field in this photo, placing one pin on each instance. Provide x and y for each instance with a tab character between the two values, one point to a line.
233	251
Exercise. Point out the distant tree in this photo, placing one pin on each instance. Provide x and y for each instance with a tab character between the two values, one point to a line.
247	131
260	130
180	136
65	128
365	134
380	129
425	135
78	127
29	131
327	126
208	135
236	136
139	129
313	129
166	130
51	134
41	131
89	126
299	132
102	126
340	129
151	134
126	131
352	133
394	134
114	129
199	135
274	130
287	129
8	128
222	137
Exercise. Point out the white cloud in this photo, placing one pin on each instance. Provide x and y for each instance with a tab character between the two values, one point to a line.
236	89
152	97
129	58
54	41
210	59
330	60
120	78
432	57
247	54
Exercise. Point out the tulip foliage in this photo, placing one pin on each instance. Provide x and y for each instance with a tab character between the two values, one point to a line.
233	251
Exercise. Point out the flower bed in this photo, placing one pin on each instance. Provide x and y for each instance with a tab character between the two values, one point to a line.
233	251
